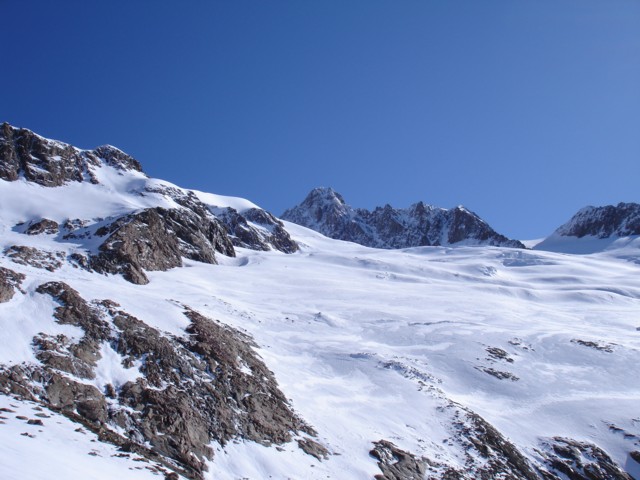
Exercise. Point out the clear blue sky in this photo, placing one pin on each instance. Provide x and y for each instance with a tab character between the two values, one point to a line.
523	111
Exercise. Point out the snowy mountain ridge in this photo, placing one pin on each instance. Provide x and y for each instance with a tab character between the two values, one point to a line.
325	211
594	229
151	331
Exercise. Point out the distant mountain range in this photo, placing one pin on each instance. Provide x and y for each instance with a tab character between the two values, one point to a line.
325	211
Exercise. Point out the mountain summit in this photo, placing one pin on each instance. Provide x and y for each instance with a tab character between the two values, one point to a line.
51	163
325	211
593	229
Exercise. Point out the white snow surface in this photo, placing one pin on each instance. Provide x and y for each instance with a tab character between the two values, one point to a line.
367	344
223	201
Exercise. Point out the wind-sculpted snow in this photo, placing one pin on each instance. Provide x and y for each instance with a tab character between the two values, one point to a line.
325	211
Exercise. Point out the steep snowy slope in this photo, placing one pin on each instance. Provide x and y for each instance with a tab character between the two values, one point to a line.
335	361
325	211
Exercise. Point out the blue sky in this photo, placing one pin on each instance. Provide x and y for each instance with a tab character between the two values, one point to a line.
523	111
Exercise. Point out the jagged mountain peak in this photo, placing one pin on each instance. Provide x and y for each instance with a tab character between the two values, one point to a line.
327	194
325	211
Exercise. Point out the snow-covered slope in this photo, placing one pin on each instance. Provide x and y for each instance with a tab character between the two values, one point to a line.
325	211
336	361
595	229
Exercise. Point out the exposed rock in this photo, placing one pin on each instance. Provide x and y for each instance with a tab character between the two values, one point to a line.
256	229
44	226
397	464
208	386
36	258
9	282
500	375
487	454
76	228
496	353
603	347
325	211
579	460
502	457
157	239
115	157
59	352
51	163
74	310
603	222
313	448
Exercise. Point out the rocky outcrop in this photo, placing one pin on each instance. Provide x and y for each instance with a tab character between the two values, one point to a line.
9	282
44	226
256	229
487	455
325	211
33	257
396	464
621	220
568	458
157	239
206	386
49	163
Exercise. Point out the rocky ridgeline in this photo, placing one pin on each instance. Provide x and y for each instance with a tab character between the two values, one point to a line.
620	220
207	385
325	211
147	240
256	229
24	154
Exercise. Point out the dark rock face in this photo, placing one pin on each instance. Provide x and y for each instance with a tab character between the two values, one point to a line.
579	460
488	455
23	255
157	239
117	158
243	234
59	352
51	163
313	448
44	226
621	220
9	282
501	456
325	211
397	464
205	386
